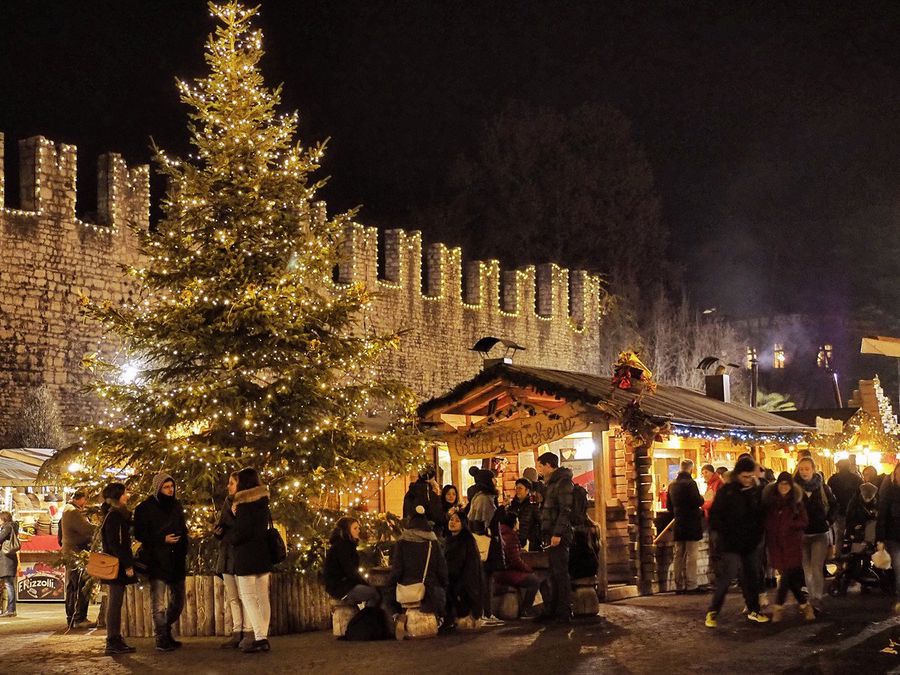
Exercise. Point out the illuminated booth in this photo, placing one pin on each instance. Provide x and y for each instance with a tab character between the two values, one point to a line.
623	441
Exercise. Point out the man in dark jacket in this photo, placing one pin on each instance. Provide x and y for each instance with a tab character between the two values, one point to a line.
528	514
685	504
76	533
557	533
738	515
160	527
844	486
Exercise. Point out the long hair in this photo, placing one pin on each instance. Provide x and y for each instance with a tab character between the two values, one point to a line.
112	493
247	478
342	530
5	517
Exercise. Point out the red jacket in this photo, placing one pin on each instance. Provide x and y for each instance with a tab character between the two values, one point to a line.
712	487
785	521
516	568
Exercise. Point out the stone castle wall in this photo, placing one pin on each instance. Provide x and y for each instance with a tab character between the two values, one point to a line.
48	256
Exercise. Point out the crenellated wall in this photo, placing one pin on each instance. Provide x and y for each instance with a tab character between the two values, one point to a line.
48	257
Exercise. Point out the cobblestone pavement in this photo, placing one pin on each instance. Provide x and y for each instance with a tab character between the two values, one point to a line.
663	633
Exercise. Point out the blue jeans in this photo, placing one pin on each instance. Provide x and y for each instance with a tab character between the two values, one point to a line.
364	593
9	583
164	615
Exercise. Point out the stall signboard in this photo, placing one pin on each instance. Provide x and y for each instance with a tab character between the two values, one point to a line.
517	435
41	582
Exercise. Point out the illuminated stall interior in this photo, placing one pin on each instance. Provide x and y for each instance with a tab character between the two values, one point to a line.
508	415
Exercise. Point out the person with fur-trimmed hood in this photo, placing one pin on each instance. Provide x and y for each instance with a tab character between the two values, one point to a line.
160	527
786	521
252	557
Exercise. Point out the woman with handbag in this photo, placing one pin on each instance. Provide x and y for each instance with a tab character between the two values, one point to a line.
418	569
116	540
9	560
252	556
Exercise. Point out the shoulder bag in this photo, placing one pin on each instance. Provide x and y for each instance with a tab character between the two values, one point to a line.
277	548
11	544
101	565
411	593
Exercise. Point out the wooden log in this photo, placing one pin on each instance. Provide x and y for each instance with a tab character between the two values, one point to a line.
189	615
219	606
137	606
297	625
340	618
282	604
128	628
273	606
420	625
206	606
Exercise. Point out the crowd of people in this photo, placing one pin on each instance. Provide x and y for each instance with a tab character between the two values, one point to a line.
793	524
462	551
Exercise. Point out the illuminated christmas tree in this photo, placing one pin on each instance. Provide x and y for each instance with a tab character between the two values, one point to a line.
237	348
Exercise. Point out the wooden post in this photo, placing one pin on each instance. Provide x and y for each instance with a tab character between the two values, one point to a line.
189	615
206	596
128	627
220	606
601	487
137	606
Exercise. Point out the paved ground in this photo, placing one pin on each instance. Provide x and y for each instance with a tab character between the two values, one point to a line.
659	634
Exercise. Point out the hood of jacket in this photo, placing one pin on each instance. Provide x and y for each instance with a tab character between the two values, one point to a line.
558	475
419	536
158	481
253	494
771	495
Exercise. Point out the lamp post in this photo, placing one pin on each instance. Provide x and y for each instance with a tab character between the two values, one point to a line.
825	360
753	365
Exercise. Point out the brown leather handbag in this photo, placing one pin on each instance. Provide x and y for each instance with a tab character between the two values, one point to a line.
102	566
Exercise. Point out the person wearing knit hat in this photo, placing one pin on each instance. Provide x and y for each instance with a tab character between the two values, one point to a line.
160	527
738	517
786	520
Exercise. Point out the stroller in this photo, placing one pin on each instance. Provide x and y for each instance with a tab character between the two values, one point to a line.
855	559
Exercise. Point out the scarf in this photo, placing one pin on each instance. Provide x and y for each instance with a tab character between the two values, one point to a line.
811	485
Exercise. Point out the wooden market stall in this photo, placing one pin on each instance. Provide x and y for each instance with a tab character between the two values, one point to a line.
509	414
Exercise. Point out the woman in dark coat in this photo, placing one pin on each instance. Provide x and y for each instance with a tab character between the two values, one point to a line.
820	508
463	572
252	559
342	578
9	563
685	503
225	565
888	528
786	521
115	537
411	562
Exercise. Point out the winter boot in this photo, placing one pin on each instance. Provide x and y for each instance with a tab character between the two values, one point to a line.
808	612
234	642
246	641
164	644
175	643
116	645
777	613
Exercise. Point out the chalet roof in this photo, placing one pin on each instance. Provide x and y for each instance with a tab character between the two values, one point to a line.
676	404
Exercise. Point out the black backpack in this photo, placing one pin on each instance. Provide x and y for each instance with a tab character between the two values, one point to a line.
370	624
579	506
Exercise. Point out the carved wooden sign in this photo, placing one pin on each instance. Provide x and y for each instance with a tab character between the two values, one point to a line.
518	435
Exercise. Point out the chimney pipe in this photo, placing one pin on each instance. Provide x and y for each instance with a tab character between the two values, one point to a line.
718	387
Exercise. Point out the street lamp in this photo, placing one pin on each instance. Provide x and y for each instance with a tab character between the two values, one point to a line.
753	366
825	360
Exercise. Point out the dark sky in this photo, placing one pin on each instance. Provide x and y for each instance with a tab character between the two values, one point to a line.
773	128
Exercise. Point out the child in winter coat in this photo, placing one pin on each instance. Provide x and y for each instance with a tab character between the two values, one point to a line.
786	520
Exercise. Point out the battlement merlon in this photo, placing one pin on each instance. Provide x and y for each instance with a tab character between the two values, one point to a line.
48	177
548	291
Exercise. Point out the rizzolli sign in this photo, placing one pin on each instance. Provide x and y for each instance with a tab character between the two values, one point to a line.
517	435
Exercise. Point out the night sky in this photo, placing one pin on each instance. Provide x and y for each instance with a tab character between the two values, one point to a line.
773	131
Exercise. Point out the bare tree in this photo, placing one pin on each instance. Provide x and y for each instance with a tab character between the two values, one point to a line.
39	424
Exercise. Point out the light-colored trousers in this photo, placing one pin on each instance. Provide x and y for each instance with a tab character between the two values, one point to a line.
686	565
815	548
253	590
233	599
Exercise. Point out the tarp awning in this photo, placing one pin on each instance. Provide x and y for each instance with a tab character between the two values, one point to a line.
19	466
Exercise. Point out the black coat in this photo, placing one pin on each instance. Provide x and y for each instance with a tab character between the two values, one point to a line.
529	523
738	516
249	534
154	518
342	568
844	485
859	514
820	507
464	574
421	493
115	538
223	532
888	511
685	502
9	564
408	565
556	509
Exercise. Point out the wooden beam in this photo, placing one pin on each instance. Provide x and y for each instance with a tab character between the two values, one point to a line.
601	474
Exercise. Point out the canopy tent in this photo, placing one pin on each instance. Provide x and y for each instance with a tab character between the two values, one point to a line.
19	466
